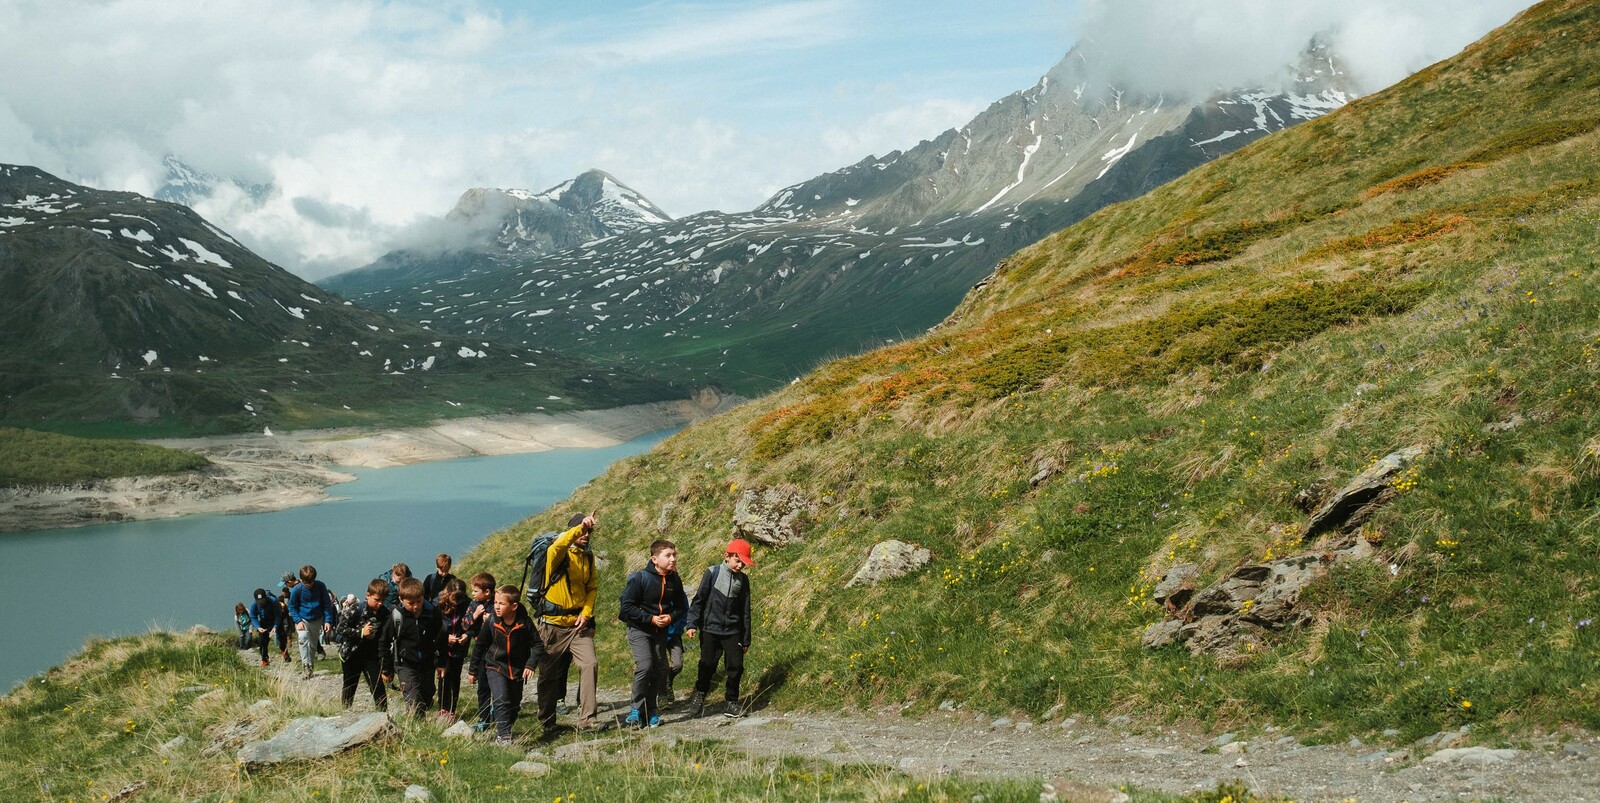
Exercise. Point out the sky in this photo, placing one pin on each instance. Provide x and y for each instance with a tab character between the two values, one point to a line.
369	118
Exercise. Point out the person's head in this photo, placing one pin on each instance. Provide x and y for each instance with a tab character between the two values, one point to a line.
505	602
399	572
482	586
288	581
442	563
664	555
587	521
238	609
737	555
261	595
456	585
451	600
411	595
376	591
308	573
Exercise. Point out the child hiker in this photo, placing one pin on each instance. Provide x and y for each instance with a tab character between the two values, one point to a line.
478	612
721	608
265	617
434	584
364	637
418	642
308	606
504	655
651	601
241	620
457	639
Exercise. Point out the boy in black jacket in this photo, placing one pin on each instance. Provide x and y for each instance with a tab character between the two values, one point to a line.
364	635
506	650
418	642
651	601
721	608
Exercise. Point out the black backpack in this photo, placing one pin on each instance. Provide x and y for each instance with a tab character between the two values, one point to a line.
533	573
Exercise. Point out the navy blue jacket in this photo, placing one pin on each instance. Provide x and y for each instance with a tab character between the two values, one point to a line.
649	593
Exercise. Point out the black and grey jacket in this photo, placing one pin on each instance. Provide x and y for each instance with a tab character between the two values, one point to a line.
721	605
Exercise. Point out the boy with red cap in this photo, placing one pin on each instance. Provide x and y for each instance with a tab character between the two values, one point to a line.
721	608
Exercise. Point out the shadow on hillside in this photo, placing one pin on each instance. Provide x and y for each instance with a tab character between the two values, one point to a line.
772	680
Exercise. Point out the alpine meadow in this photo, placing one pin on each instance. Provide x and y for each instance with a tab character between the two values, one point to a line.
1304	440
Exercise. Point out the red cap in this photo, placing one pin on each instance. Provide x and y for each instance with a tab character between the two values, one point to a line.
740	548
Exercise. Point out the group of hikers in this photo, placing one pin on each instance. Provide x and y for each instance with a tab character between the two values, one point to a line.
422	633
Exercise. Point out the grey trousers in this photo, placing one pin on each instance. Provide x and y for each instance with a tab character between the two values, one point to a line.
649	665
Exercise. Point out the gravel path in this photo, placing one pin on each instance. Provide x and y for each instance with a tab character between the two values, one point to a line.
1105	755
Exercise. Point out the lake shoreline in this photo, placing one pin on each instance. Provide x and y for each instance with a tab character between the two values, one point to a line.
256	473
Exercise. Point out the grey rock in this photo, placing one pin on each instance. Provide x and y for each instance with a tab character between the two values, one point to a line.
1390	733
317	737
1002	722
1224	739
172	745
664	520
1358	498
533	769
888	560
193	689
1354	742
1232	748
1063	790
1176	585
1160	634
418	793
1120	719
1024	726
1575	750
200	630
462	729
947	705
1471	755
1375	758
772	516
1516	420
259	707
751	722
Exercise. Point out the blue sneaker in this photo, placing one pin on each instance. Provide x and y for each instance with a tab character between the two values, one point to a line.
633	719
655	721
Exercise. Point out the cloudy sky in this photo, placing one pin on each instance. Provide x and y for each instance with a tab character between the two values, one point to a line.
369	118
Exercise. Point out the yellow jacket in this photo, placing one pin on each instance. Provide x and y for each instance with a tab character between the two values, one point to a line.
578	587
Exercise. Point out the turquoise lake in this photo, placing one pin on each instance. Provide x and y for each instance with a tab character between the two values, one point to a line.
65	586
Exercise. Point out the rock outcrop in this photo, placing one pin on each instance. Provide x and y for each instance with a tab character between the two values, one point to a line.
772	516
1241	610
888	560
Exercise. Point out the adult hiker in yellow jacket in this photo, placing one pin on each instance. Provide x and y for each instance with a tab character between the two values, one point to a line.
566	625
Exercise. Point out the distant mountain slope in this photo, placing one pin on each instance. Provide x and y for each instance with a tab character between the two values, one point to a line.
491	227
870	253
1148	406
126	308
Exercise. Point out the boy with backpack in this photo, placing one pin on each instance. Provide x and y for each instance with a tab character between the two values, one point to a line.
721	608
364	636
478	612
506	650
434	583
651	601
417	643
264	618
308	606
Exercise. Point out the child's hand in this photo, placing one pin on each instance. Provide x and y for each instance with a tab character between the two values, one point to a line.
472	680
690	633
527	673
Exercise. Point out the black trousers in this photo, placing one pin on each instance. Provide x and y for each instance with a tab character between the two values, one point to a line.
450	684
367	665
416	685
713	647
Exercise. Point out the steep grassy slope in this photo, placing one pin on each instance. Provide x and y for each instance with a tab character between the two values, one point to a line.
1200	365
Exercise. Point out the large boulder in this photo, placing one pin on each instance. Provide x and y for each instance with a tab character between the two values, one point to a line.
318	737
772	516
889	560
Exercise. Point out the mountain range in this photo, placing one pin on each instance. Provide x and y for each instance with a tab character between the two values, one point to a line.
129	309
870	253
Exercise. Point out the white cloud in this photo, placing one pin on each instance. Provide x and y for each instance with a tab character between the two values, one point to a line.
1196	46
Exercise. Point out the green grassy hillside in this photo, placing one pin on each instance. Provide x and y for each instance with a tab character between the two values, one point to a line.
43	458
1201	364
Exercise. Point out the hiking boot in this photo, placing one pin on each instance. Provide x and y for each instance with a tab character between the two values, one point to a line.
502	741
697	703
732	710
655	721
632	721
263	662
